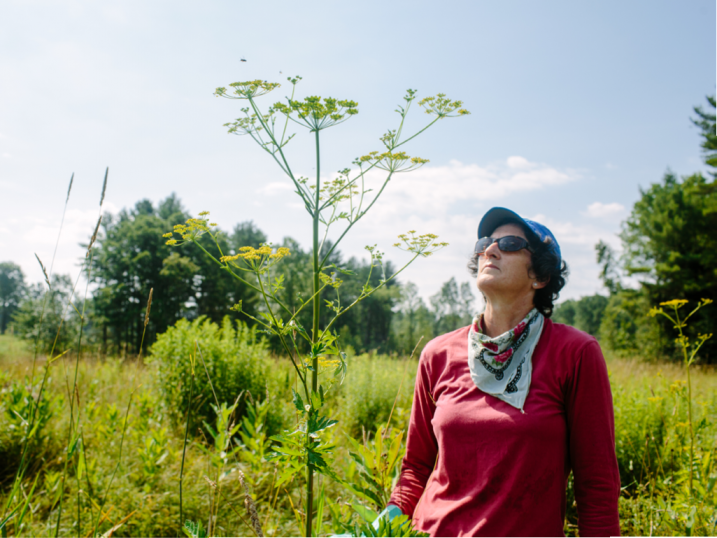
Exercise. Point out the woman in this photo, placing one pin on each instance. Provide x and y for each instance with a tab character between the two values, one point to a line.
504	409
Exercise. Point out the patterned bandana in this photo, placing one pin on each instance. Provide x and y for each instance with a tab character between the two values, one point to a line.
502	366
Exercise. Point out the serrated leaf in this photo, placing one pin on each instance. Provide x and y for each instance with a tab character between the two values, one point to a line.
298	401
319	423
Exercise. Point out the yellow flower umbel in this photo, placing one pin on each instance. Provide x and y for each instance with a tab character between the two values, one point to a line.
247	90
392	162
443	107
423	245
191	230
257	260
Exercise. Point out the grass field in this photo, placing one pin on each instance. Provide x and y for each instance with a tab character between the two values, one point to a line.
142	499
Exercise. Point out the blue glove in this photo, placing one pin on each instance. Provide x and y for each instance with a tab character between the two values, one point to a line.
389	513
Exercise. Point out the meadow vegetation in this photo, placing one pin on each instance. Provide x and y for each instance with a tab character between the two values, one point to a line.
252	398
651	442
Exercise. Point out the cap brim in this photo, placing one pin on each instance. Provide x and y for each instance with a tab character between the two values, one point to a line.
497	217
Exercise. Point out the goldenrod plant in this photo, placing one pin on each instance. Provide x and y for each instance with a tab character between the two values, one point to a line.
343	200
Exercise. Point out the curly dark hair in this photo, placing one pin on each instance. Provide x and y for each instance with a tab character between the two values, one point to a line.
544	264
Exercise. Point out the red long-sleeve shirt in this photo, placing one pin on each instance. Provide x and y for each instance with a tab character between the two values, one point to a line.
475	465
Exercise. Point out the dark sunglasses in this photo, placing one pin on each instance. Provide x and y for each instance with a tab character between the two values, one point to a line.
508	243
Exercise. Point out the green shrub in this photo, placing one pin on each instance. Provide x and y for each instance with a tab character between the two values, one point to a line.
235	361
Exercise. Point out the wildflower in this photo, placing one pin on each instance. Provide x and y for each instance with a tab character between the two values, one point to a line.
330	280
280	253
443	107
248	89
191	230
318	115
675	303
324	362
425	244
257	258
392	162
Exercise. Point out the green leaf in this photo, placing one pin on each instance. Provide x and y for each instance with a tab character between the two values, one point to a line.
73	446
319	423
3	523
288	451
194	530
298	401
368	515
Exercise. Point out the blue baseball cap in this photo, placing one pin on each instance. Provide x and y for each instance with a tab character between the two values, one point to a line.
498	216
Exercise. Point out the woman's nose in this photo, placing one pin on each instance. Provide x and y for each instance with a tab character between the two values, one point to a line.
492	250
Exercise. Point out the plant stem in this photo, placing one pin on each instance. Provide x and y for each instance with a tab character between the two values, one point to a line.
683	344
689	414
184	451
314	337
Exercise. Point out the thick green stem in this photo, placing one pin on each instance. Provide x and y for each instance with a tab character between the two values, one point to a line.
314	336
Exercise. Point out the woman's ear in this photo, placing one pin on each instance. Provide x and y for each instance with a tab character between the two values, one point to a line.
537	284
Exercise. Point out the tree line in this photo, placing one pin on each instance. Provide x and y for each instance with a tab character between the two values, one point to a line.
130	257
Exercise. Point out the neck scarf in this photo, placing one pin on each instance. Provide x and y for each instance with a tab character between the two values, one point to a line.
502	366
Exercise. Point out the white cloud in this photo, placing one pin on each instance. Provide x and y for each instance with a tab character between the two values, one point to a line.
277	187
518	162
39	235
600	210
433	190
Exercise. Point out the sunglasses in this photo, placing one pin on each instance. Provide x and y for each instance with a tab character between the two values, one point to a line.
508	243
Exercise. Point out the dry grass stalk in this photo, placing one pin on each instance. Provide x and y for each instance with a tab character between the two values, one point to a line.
149	306
250	507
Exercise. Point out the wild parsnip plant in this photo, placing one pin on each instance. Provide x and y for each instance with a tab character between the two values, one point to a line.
695	506
343	200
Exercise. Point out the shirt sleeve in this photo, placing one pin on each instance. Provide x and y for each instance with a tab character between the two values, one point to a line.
591	427
421	445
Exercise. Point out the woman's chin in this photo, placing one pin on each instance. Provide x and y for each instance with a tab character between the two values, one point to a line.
487	282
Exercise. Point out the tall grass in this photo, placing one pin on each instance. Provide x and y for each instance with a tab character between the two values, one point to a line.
651	448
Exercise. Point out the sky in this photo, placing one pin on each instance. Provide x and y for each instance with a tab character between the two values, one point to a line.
575	106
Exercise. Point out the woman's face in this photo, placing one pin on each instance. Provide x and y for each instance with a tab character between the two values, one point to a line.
505	273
